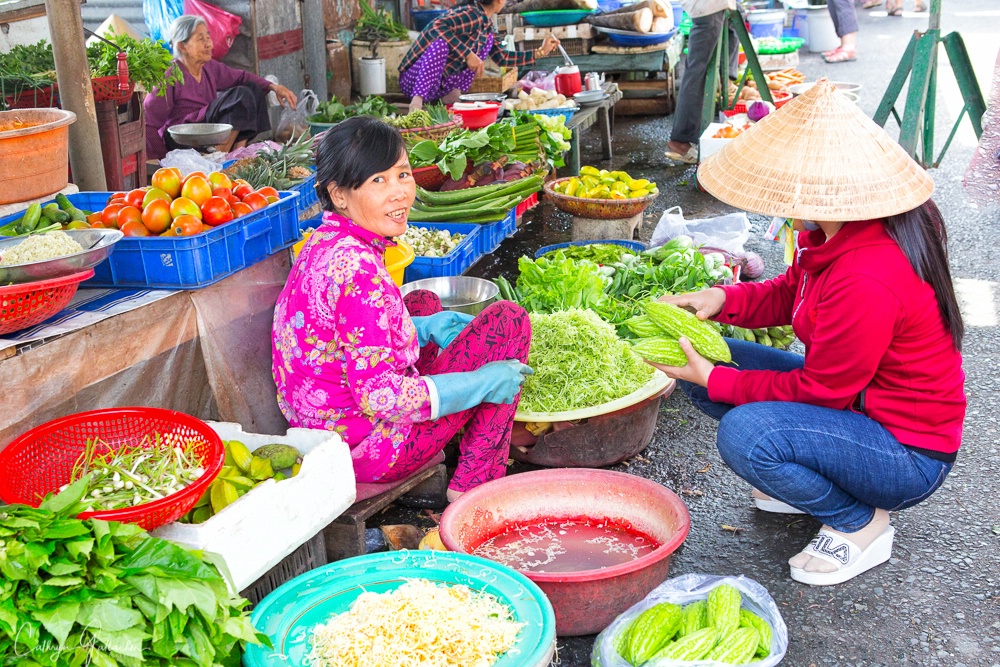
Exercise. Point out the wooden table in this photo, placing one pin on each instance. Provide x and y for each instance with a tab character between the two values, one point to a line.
604	115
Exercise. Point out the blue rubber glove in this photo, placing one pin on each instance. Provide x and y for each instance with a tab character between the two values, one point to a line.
440	328
495	382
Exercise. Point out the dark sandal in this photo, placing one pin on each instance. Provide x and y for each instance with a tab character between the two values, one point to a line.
894	10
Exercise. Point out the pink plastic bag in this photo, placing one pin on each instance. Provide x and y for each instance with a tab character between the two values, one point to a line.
222	26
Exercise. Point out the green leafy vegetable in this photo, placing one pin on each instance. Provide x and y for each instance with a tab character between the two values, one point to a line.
333	111
377	25
461	149
149	64
579	362
88	592
598	253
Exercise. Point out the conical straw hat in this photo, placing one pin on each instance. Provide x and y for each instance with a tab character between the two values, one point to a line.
819	157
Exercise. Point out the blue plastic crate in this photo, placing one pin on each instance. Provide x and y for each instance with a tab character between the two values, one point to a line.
497	231
308	199
456	262
283	216
186	262
631	245
566	112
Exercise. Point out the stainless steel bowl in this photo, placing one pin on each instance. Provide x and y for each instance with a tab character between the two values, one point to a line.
482	97
97	245
200	134
458	293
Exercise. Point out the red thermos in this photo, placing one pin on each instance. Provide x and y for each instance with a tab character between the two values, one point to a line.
568	80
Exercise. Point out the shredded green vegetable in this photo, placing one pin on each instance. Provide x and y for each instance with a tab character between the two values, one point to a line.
579	362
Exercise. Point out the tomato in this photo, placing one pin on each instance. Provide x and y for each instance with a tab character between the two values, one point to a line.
240	209
168	180
197	190
219	179
118	196
255	200
242	190
194	174
129	214
216	211
132	228
109	216
226	194
183	206
156	216
186	225
134	198
153	194
94	217
268	191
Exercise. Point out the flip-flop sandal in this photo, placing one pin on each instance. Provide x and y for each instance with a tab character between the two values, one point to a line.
871	4
845	555
841	56
775	506
691	157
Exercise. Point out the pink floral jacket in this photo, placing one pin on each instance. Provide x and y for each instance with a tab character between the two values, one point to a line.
344	347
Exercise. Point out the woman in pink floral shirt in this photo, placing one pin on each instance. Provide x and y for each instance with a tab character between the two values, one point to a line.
395	378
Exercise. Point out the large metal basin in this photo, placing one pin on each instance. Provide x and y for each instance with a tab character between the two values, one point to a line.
585	602
462	294
34	160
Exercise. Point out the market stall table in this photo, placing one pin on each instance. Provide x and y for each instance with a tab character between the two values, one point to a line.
604	115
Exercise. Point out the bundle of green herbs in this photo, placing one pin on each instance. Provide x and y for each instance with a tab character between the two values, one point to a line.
579	362
87	592
469	147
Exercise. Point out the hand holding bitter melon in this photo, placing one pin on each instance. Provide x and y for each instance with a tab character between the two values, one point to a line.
717	628
241	472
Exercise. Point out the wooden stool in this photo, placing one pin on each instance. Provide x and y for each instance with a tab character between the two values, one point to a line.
587	229
345	537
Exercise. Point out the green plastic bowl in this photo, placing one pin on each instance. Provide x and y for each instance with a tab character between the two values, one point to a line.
550	18
288	614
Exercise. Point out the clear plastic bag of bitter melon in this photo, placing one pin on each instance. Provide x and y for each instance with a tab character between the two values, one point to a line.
680	591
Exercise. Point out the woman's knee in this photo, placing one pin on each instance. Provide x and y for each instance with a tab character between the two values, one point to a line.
421	303
511	322
745	437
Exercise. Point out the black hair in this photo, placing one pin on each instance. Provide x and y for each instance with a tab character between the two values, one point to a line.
354	151
921	235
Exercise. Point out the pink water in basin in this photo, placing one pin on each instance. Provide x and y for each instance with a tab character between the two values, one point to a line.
595	541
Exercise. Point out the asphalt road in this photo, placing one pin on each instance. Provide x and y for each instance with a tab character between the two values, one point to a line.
937	602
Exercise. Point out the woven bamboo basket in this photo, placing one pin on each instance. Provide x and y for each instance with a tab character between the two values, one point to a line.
494	84
433	133
597	209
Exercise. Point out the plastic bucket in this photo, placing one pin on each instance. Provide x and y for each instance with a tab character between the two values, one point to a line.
34	160
397	258
822	35
800	23
766	22
372	76
678	13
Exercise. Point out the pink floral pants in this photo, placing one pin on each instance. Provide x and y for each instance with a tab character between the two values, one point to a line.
502	331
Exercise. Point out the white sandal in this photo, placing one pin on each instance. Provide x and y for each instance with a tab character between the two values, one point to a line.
849	559
775	506
691	157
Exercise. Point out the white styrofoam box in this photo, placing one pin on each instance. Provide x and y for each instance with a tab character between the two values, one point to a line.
274	518
707	145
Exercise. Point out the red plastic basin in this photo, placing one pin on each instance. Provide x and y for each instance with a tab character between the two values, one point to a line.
585	602
473	119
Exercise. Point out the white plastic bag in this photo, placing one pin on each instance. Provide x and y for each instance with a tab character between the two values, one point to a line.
188	160
682	590
293	122
727	232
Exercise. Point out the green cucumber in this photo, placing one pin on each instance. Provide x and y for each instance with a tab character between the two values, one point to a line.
74	213
54	214
31	218
491	191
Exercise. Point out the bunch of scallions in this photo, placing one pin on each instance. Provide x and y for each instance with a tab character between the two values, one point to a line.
132	474
579	362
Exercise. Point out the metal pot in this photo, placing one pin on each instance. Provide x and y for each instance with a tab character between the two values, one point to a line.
461	294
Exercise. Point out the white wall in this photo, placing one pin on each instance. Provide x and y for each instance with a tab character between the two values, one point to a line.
23	32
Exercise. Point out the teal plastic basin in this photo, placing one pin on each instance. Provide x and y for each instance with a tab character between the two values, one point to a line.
288	614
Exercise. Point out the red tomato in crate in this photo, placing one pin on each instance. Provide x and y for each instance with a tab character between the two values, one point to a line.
184	206
135	197
153	194
268	191
133	228
194	174
216	211
109	216
168	179
255	200
198	190
242	190
186	225
226	194
219	179
129	214
240	209
156	216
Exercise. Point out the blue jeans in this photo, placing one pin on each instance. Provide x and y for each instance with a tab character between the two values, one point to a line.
836	465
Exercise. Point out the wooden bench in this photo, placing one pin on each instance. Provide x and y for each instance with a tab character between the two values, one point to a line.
345	537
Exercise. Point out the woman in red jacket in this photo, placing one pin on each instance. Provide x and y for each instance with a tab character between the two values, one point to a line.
870	419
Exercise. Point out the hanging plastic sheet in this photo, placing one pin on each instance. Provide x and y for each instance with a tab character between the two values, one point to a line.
982	179
222	26
159	14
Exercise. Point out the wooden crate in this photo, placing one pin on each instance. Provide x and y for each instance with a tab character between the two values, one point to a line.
123	143
494	84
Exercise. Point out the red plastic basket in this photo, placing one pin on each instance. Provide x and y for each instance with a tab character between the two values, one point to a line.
27	304
41	460
429	178
34	98
780	99
107	89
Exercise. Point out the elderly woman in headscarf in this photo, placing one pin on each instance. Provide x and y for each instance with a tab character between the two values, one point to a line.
211	92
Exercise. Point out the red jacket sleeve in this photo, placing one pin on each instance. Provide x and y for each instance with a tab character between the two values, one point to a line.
855	321
766	304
